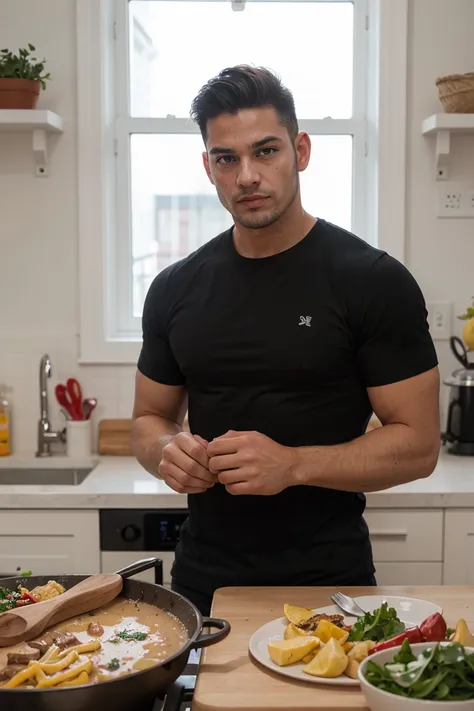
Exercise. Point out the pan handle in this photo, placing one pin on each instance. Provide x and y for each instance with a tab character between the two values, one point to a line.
140	566
205	640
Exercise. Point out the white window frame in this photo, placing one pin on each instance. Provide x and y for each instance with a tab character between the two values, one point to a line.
378	127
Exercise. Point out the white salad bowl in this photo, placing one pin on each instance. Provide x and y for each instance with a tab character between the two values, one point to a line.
378	700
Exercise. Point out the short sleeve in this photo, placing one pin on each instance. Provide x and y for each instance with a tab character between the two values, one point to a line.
156	360
393	341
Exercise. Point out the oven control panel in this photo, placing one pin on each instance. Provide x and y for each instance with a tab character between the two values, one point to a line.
140	530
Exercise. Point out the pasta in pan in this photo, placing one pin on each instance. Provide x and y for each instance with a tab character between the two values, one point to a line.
118	639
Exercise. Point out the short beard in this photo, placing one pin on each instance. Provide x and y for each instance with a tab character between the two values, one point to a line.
265	221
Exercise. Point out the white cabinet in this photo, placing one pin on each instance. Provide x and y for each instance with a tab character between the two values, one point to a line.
410	546
49	542
459	547
409	573
407	545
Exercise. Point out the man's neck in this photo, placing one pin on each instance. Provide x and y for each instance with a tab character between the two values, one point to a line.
288	230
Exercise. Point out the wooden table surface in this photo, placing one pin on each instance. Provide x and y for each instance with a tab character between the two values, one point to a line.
229	678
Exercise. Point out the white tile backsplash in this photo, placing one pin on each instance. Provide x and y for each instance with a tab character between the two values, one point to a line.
20	357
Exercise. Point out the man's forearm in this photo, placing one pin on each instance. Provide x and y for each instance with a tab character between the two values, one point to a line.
380	459
150	434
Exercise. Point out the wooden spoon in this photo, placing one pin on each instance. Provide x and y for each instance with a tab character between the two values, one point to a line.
24	623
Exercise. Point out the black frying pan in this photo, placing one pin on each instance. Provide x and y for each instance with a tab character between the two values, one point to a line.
135	691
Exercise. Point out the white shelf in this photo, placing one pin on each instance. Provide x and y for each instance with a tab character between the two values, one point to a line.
24	120
39	124
442	126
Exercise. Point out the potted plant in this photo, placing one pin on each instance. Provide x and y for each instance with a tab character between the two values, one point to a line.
21	78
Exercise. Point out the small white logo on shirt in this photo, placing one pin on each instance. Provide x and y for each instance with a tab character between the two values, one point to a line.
305	321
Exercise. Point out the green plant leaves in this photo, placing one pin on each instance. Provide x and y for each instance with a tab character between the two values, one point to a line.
23	65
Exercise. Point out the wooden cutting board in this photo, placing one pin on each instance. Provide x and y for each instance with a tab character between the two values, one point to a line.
230	680
115	437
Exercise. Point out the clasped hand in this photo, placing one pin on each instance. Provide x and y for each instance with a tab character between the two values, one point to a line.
244	462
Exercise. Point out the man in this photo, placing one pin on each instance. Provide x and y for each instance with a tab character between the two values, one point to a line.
282	335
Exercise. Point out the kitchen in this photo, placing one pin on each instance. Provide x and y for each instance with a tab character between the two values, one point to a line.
52	289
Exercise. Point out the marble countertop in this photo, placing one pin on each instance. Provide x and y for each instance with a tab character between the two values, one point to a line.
120	482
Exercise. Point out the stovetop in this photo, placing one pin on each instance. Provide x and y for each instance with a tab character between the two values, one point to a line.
180	694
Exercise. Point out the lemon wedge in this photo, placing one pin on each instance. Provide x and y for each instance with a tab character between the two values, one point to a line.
292	631
289	651
297	615
331	661
325	630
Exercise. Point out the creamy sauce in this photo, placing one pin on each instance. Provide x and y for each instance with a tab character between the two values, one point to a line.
165	635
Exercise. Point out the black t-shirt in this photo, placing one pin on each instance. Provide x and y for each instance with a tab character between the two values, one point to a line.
286	345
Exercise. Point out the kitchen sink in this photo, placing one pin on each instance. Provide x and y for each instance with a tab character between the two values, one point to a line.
43	476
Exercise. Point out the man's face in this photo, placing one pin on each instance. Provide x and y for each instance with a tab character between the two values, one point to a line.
254	165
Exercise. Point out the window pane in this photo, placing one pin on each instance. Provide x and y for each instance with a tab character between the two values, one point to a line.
175	209
326	184
309	44
174	206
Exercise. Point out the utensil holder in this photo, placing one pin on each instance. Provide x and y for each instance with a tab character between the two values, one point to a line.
78	438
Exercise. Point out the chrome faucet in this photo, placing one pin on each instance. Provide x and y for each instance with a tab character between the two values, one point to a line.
46	436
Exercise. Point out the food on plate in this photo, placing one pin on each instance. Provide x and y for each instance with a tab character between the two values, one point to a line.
311	624
327	630
292	631
433	629
118	639
462	634
289	651
413	635
440	673
341	648
356	655
296	615
10	599
330	662
378	625
332	656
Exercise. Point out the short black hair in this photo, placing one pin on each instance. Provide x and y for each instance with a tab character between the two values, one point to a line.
244	87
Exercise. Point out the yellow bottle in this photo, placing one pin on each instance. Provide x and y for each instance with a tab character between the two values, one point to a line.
5	426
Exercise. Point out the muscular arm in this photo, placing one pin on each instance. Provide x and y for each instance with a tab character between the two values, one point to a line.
404	449
158	415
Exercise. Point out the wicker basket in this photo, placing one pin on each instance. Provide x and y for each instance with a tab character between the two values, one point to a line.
456	93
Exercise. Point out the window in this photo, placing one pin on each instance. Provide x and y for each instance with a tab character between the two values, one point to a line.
172	206
155	202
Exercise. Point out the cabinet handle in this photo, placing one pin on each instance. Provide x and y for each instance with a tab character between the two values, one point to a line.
389	534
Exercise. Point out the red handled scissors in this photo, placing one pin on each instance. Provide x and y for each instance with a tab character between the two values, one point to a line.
69	396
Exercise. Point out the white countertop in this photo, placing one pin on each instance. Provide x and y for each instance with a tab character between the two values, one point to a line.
120	482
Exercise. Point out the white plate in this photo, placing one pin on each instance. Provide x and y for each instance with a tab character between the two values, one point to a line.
409	610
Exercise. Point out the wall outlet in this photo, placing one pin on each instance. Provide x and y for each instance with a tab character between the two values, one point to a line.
440	315
455	199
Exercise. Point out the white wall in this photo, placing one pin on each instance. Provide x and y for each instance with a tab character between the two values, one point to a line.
38	218
440	253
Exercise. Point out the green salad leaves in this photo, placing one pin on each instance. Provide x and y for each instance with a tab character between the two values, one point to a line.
442	673
377	626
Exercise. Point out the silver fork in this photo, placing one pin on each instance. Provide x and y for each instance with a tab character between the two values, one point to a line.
347	604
